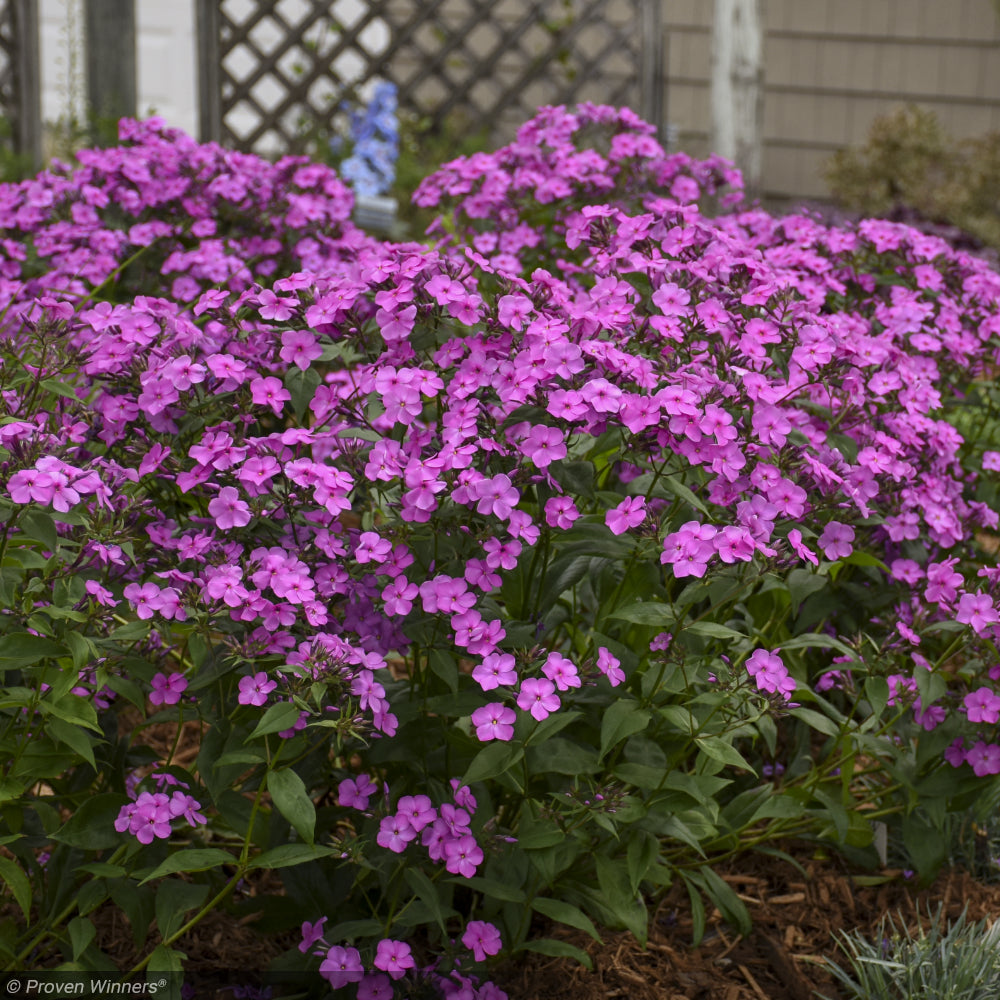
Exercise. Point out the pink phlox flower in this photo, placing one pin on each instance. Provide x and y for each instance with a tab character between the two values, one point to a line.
228	509
984	758
497	669
463	856
977	611
836	541
354	793
982	705
544	445
311	933
501	555
496	496
147	599
342	966
630	513
417	809
560	512
769	672
494	722
167	690
270	392
394	833
253	690
482	939
537	696
610	666
561	671
393	957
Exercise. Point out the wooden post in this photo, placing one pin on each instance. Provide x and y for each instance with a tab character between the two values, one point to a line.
651	70
209	89
738	86
27	74
110	33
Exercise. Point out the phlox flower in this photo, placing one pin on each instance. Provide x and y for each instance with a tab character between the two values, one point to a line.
394	833
984	758
496	496
770	673
463	856
837	541
31	486
991	461
495	670
255	689
561	671
342	966
560	512
417	809
269	392
146	599
228	509
167	690
393	957
538	697
610	666
544	445
494	722
311	933
630	513
976	611
375	986
354	793
482	939
982	705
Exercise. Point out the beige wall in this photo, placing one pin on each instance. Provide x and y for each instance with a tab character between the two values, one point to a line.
831	66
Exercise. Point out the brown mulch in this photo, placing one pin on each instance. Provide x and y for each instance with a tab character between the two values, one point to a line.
796	920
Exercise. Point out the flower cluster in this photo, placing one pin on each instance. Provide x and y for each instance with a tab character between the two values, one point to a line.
390	514
371	166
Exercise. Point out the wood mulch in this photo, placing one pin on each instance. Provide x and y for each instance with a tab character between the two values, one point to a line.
796	921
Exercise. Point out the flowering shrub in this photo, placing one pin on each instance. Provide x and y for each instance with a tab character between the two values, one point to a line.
495	576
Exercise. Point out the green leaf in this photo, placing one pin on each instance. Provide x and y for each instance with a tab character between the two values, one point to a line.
560	756
627	906
22	649
76	739
683	492
278	717
195	859
565	913
427	892
174	899
802	583
92	826
643	850
724	897
166	960
494	759
558	949
623	718
925	845
491	888
713	630
718	749
81	933
288	792
301	386
286	855
575	477
18	884
646	613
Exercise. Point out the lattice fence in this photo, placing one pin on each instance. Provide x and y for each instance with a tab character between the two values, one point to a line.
271	68
19	77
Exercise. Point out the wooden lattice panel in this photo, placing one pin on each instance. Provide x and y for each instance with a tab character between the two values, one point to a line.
270	68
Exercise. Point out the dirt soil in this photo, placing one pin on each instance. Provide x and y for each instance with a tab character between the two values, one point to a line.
796	916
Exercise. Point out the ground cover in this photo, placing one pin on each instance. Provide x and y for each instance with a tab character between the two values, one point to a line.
409	606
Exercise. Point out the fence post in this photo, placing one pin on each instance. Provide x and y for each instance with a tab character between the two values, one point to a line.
208	57
27	74
651	70
738	86
110	33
